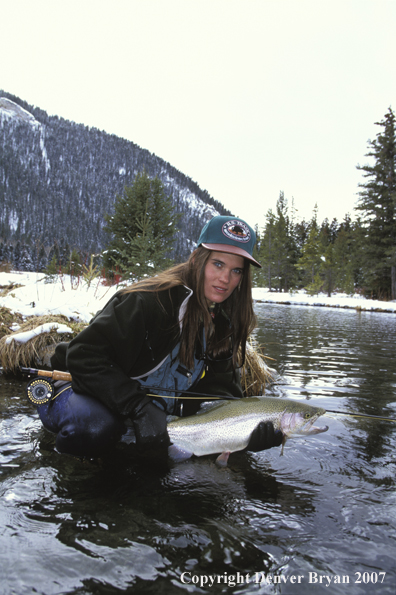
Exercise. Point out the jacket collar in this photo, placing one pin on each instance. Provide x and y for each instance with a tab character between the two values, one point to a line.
183	305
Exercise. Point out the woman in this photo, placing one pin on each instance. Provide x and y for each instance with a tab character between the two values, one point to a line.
184	329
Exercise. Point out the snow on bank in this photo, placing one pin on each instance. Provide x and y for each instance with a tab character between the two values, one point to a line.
78	301
25	336
66	295
341	300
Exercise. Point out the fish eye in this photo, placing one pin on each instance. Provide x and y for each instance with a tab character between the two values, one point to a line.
307	415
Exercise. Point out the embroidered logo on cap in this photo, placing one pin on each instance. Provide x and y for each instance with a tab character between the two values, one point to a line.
236	230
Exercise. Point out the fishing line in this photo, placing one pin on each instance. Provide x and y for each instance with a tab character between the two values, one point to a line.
205	397
368	415
190	394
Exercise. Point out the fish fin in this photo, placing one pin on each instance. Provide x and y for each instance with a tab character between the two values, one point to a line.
283	445
178	455
222	459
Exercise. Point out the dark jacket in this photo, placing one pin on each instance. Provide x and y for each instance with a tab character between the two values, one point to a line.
131	336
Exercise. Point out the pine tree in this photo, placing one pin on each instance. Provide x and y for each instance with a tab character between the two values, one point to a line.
343	260
52	268
266	250
358	244
278	250
377	202
143	229
311	252
73	266
280	243
328	267
256	272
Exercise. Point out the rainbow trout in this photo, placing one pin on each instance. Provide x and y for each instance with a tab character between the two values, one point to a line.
226	426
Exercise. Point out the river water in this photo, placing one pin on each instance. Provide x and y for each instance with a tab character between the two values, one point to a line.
324	513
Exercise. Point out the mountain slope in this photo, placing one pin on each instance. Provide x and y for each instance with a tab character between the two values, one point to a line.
58	179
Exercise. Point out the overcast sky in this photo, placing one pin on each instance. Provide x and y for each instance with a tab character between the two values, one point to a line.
246	97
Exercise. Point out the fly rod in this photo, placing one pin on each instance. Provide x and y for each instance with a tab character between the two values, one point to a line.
41	391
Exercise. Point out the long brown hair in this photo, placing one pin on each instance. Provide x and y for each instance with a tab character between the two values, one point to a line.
232	326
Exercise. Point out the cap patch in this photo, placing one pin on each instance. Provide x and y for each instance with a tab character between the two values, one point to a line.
236	230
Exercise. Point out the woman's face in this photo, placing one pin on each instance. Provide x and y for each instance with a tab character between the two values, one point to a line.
223	272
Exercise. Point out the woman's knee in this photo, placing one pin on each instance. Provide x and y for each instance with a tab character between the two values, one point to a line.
86	440
84	426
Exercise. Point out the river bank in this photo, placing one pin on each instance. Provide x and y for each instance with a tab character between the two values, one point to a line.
338	300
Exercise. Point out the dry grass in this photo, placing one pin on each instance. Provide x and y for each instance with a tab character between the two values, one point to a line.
6	289
7	319
37	351
255	374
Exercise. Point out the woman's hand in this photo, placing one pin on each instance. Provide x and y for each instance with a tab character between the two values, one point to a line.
149	422
264	437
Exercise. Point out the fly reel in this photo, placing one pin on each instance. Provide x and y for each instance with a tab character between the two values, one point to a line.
39	391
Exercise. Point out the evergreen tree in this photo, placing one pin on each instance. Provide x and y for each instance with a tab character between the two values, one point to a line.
311	257
328	267
143	229
280	243
344	261
278	250
54	266
358	243
285	248
377	202
256	272
74	265
266	250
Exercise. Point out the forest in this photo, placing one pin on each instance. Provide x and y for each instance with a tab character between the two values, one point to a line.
58	181
353	255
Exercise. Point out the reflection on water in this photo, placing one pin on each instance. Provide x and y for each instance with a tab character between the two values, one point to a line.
125	525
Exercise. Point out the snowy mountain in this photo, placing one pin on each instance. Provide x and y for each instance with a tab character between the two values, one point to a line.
58	179
11	110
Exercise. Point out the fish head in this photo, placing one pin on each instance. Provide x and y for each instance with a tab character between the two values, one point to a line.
300	422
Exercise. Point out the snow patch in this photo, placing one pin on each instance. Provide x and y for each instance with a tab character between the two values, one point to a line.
338	300
11	110
43	328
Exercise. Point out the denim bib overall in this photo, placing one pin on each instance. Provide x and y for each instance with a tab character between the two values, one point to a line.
171	378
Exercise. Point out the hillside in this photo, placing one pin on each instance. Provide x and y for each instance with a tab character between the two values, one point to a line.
58	179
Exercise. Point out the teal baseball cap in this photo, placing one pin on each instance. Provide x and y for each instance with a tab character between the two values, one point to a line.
231	235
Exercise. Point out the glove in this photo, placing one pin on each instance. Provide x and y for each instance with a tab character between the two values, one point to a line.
264	437
149	422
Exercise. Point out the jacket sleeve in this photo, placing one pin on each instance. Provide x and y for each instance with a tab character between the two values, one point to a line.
101	356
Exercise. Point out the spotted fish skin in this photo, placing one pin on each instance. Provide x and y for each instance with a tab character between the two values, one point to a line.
226	426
